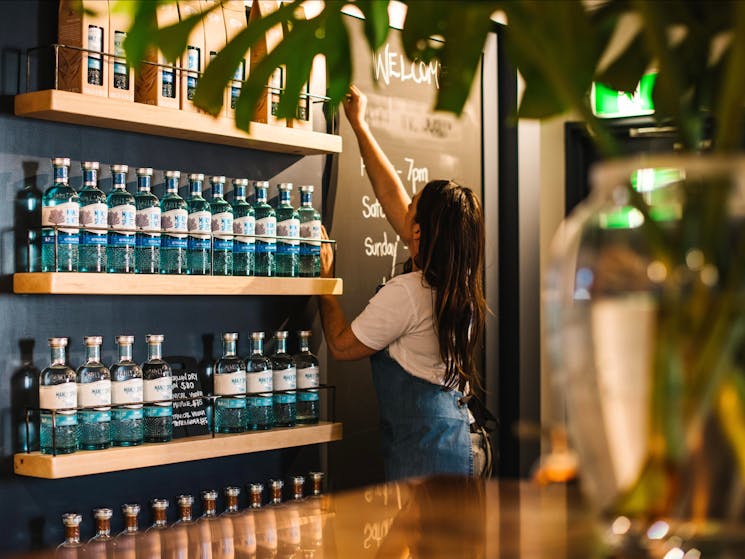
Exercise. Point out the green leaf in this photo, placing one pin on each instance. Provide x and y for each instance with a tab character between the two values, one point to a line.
140	36
172	40
539	101
376	21
625	72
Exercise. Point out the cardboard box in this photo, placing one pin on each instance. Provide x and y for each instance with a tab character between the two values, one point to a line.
304	112
194	58
158	85
214	31
78	71
121	77
234	14
266	108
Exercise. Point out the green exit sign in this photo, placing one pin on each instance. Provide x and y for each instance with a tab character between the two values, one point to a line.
609	103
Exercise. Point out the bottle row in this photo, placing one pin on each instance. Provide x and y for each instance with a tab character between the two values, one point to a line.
292	528
90	231
96	407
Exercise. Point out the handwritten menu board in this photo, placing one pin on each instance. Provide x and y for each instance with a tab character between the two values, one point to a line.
189	406
423	145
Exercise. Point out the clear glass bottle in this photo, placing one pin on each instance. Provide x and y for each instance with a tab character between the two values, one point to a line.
312	520
58	392
94	394
244	529
266	227
244	227
94	213
122	212
128	539
187	538
288	225
102	545
72	547
308	377
259	378
216	526
157	393
173	222
230	379
127	428
199	224
265	521
310	228
284	378
222	230
147	252
154	541
60	207
288	522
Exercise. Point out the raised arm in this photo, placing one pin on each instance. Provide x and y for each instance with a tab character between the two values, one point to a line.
385	181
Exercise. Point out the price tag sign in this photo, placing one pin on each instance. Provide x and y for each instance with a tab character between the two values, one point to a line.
189	415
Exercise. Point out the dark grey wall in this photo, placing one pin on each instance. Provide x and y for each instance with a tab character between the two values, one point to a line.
31	507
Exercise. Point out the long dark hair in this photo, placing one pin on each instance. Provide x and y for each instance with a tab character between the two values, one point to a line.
451	257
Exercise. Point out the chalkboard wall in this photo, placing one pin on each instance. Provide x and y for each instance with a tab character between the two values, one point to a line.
31	508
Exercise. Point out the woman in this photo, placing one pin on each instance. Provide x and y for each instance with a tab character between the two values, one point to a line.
422	329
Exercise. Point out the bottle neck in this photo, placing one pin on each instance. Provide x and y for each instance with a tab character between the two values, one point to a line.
209	507
144	183
297	492
255	499
172	185
229	348
90	176
304	344
57	355
276	495
306	199
232	503
154	351
130	523
261	194
258	347
93	353
61	173
217	190
103	527
185	513
72	534
159	518
125	352
239	192
284	197
120	180
281	346
195	188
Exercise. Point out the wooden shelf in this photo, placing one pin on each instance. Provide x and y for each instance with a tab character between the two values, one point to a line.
86	462
102	112
78	283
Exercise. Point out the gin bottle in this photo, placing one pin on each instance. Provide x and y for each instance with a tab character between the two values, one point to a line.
147	254
93	213
288	225
266	523
58	393
259	378
94	394
311	533
186	538
310	228
126	541
60	208
220	529
244	227
244	529
157	391
200	227
288	522
230	379
173	218
266	227
122	212
222	230
126	395
102	545
285	378
72	547
153	541
308	377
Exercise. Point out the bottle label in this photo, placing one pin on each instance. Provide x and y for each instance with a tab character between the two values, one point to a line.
95	42
62	419
160	388
288	228
173	222
199	244
95	215
285	379
232	403
244	227
311	230
122	218
126	391
222	244
60	215
259	382
92	394
58	396
127	414
121	240
200	225
222	226
258	402
158	410
89	416
230	383
148	219
121	71
308	377
266	226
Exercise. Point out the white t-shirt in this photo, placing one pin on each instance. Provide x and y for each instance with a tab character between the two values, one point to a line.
400	317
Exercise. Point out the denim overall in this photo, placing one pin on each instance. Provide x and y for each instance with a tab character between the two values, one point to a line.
424	429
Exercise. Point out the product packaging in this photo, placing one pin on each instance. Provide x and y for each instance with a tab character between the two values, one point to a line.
266	108
159	85
84	24
121	76
234	13
194	57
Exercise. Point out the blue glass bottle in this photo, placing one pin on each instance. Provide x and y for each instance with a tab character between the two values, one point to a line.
285	378
60	206
173	218
310	228
93	213
58	392
222	230
94	394
266	227
230	379
199	224
120	254
259	378
288	225
244	227
126	395
157	393
308	377
147	252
